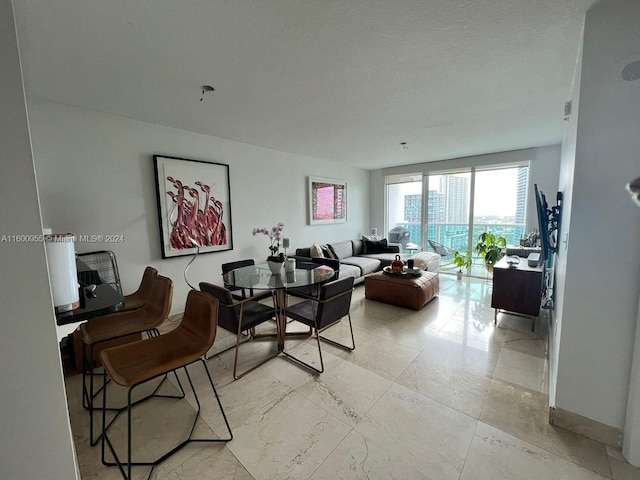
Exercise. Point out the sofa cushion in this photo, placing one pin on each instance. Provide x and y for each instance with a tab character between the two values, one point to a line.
378	246
386	258
428	261
358	247
366	265
343	249
349	271
316	251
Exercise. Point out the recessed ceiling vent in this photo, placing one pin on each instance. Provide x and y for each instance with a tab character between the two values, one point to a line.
631	72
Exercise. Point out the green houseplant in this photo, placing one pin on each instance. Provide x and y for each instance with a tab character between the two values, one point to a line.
489	247
462	261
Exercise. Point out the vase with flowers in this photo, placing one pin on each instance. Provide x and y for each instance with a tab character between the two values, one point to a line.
276	259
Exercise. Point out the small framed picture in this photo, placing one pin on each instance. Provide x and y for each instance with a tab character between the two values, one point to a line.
327	201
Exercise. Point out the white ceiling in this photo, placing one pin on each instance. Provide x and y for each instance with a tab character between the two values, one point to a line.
343	80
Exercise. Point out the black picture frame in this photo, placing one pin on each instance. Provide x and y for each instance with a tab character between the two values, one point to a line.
194	206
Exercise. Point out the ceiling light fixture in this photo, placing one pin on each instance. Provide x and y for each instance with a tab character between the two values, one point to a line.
206	89
631	71
404	145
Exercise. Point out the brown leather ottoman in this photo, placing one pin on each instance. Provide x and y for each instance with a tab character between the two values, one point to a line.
412	292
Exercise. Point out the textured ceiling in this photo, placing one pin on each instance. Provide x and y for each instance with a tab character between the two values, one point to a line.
331	79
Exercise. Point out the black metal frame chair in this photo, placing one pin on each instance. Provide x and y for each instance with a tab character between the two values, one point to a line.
321	312
137	363
227	267
240	317
104	262
441	249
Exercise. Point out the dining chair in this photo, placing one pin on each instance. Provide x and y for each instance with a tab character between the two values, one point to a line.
240	317
97	332
136	363
313	290
321	312
227	267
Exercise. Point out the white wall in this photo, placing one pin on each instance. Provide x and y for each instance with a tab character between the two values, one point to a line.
35	435
95	175
565	185
602	281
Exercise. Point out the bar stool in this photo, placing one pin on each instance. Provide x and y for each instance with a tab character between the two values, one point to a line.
136	363
97	332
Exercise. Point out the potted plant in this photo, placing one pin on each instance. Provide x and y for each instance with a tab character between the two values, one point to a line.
489	247
276	259
462	261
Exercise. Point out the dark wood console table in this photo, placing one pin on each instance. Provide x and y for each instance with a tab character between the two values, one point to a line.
517	289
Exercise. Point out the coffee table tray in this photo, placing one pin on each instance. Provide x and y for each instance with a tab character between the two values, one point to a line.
414	272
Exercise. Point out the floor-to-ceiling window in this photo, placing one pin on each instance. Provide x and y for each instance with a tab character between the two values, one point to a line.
446	211
404	210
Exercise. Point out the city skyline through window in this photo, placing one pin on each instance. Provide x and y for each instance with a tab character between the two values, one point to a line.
499	206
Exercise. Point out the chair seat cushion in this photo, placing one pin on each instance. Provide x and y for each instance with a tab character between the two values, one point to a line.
117	325
254	313
136	362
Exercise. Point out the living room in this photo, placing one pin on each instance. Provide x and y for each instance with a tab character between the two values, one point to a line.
94	175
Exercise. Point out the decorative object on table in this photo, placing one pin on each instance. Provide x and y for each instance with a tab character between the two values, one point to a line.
194	206
462	261
406	273
327	201
489	247
276	259
290	265
410	263
397	266
63	275
285	244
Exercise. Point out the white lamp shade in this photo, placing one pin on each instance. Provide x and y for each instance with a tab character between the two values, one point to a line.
63	275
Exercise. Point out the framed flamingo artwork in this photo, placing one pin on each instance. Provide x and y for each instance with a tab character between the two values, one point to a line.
194	206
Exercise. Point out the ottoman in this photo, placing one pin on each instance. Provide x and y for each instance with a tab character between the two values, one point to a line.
409	292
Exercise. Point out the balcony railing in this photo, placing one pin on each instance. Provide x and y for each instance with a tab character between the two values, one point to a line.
455	236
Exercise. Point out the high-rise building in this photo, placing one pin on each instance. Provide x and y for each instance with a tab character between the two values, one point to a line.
456	193
521	195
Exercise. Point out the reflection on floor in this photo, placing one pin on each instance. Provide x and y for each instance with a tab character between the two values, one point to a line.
439	393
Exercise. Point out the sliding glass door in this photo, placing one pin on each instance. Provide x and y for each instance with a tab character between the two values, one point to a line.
447	211
404	211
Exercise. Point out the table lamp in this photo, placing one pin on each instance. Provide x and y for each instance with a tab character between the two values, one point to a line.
63	276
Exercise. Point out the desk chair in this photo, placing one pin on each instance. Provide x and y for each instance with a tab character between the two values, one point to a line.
240	318
136	363
319	313
104	262
98	331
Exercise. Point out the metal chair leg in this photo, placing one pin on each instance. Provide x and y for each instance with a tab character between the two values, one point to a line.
106	441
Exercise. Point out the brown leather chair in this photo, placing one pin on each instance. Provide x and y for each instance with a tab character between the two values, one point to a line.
136	363
97	331
131	302
138	298
240	318
323	311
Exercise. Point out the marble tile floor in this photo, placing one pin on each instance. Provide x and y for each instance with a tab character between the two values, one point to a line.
435	394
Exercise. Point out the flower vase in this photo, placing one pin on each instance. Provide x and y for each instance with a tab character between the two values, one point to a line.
275	267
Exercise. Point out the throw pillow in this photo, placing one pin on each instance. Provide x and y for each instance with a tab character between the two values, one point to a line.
328	252
316	251
379	246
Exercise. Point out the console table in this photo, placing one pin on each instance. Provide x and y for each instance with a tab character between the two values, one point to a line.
517	289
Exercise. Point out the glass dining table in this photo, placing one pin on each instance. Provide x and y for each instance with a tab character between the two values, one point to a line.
259	277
